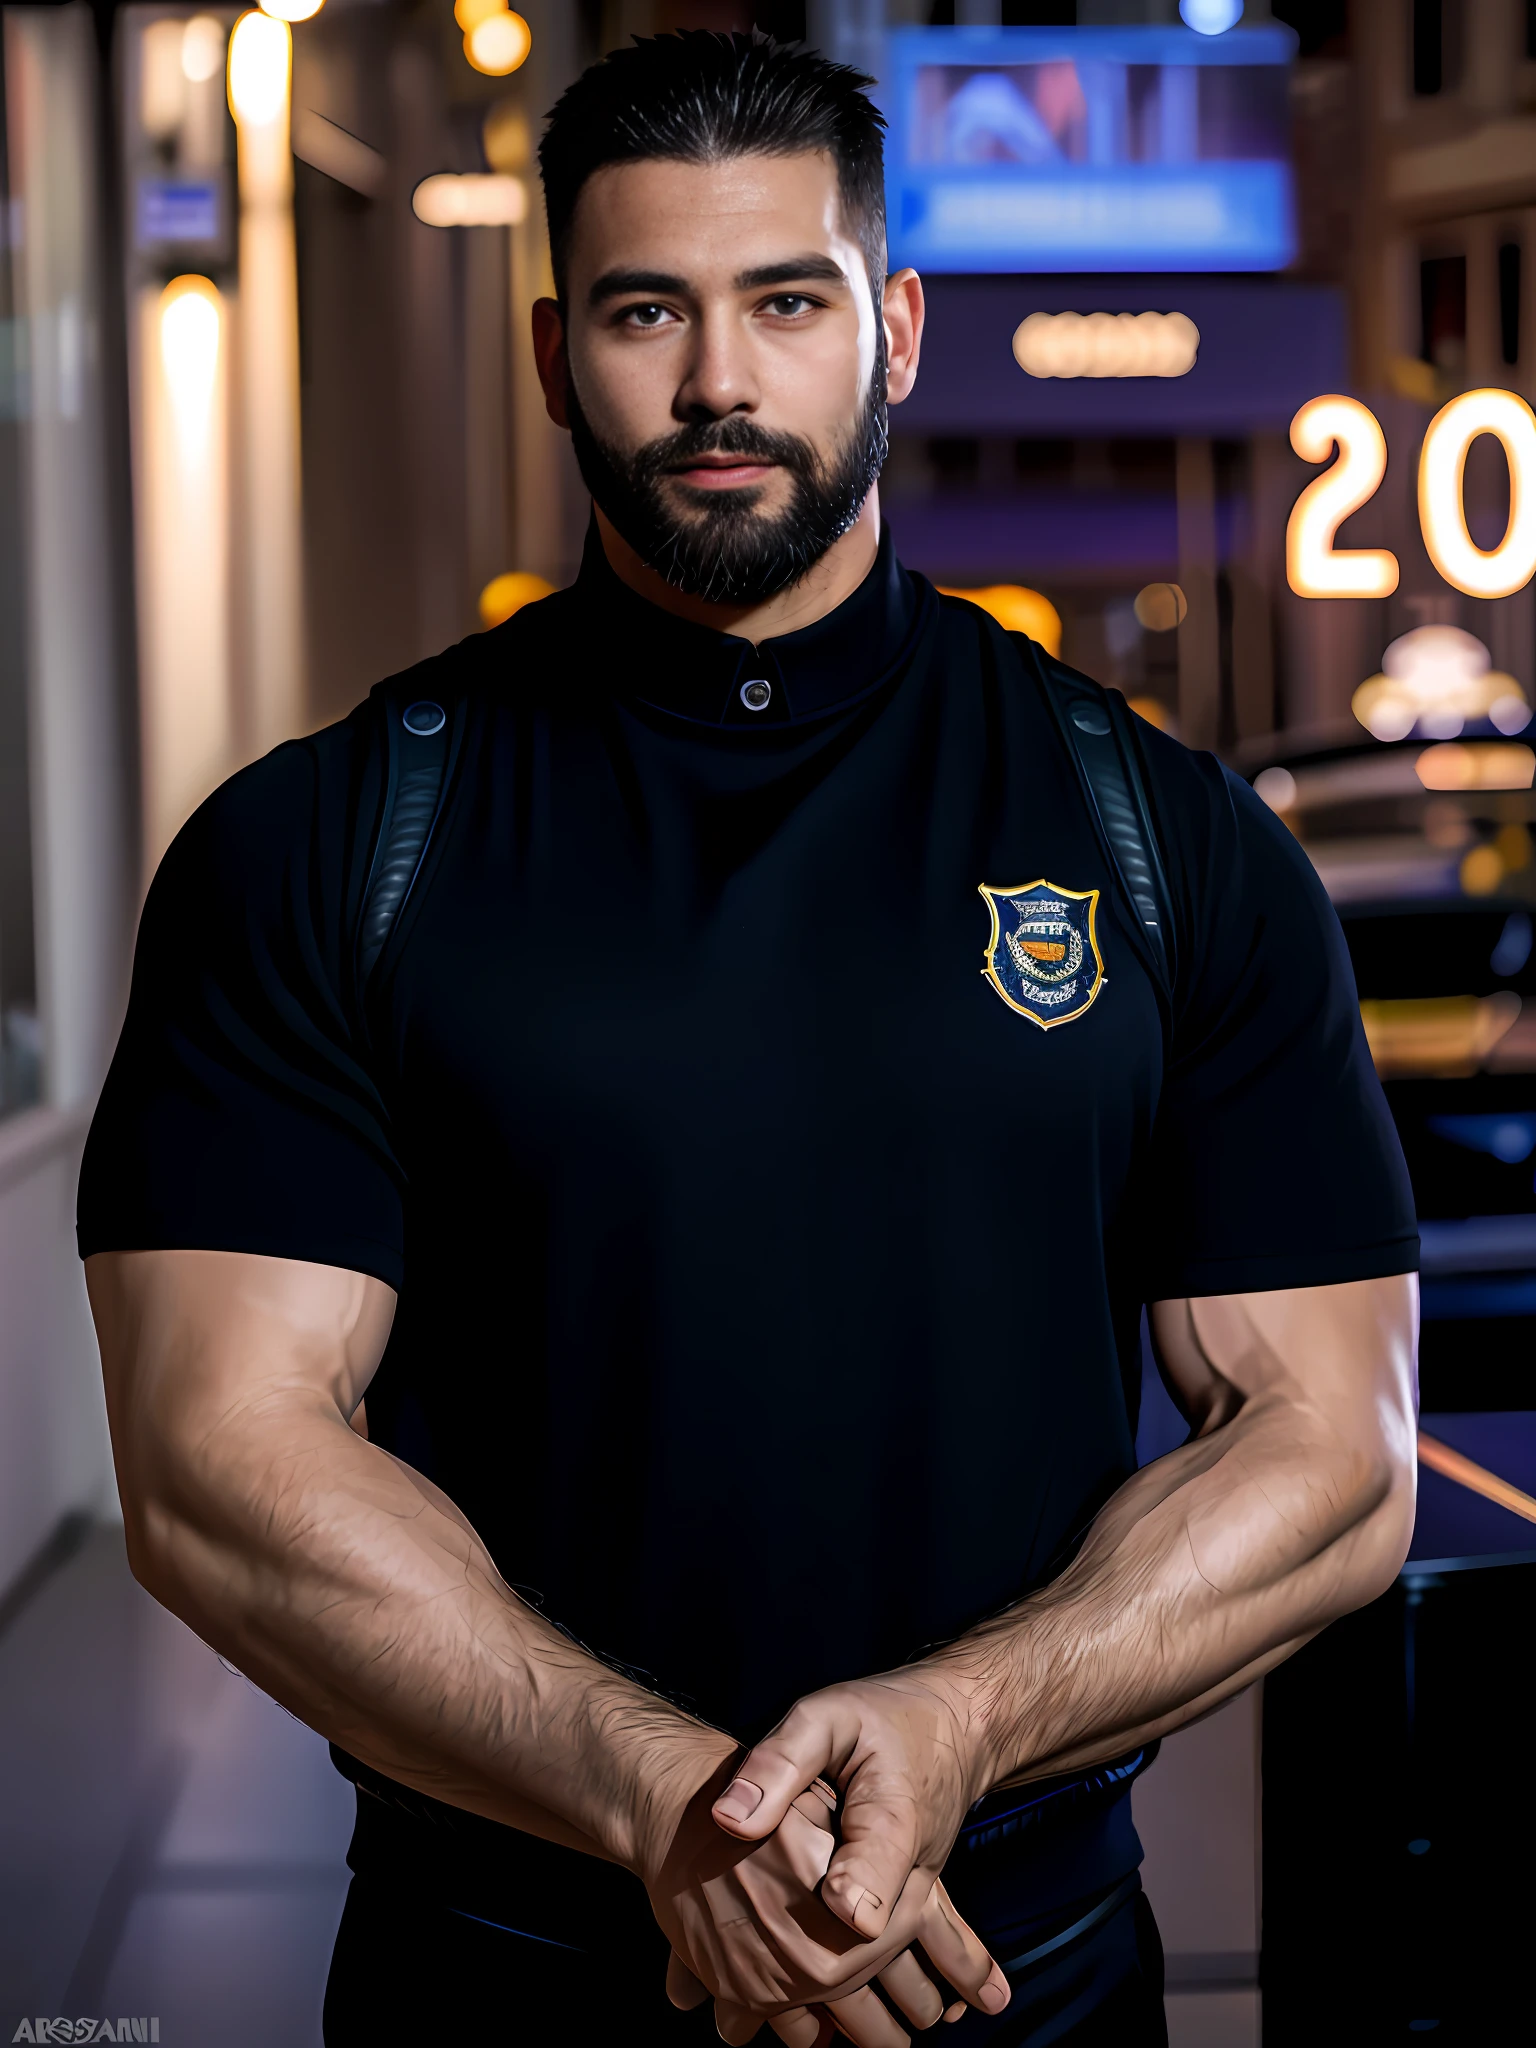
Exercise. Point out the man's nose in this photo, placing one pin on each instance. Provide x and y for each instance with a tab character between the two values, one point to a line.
721	377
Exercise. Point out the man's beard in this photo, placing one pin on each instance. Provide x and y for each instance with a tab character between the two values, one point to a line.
717	545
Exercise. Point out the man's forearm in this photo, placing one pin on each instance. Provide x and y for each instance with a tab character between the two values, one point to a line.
1202	1572
351	1590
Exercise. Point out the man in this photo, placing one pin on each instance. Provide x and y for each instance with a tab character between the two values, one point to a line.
745	1287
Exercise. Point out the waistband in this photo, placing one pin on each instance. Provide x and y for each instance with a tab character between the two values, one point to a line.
1026	1865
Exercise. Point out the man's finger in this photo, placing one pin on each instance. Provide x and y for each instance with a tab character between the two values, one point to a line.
683	1988
866	2022
875	1859
735	2023
959	1957
784	1764
800	2028
910	1988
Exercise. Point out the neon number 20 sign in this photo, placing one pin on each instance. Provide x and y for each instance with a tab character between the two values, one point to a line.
1316	568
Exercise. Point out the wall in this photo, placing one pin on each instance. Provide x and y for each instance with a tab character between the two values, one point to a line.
54	1454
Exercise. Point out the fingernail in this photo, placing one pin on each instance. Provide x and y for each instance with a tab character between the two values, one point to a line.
992	1997
858	1903
739	1800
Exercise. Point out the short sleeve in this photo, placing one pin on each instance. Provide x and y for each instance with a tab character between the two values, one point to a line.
1274	1159
239	1113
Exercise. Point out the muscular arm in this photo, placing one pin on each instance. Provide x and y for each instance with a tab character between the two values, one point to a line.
343	1582
352	1589
1292	1504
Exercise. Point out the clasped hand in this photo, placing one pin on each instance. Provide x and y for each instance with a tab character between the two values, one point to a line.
778	1917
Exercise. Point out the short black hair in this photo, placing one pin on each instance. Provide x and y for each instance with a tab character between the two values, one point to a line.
700	97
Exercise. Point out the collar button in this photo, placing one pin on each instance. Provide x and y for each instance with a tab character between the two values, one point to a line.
757	695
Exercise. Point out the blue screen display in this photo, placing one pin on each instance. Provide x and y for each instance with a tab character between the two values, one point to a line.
177	210
1090	149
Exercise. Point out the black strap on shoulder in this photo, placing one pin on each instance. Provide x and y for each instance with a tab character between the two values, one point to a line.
420	738
1097	726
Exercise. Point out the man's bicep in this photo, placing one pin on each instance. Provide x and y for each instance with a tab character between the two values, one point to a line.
189	1337
1346	1350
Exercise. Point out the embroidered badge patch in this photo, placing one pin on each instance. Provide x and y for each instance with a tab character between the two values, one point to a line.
1043	956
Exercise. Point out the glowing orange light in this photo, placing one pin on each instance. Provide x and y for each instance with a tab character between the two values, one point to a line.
1018	610
498	43
1106	345
1495	764
191	321
1159	607
507	594
1480	572
260	64
1314	567
470	199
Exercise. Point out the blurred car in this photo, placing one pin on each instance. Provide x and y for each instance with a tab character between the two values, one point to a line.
1427	852
1379	1825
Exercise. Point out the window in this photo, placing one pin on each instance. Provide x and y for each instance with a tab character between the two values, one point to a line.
1509	302
1436	46
1443	306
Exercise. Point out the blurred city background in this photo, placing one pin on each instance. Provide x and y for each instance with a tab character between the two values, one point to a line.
269	431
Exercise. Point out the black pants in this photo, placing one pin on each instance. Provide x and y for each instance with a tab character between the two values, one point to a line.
406	1971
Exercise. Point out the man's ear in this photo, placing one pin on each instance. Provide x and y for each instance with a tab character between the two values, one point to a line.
903	313
549	355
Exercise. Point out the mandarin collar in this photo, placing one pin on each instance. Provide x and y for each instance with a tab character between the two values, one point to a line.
694	673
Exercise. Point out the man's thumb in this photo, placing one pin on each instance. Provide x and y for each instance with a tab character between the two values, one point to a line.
766	1785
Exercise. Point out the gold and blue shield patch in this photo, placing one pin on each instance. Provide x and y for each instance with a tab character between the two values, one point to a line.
1043	955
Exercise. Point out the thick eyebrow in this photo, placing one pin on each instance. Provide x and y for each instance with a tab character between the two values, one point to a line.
615	283
791	273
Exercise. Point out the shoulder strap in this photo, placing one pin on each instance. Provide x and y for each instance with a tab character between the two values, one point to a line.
1096	725
418	735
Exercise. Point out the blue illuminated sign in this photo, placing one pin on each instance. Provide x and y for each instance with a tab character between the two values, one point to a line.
1092	149
177	210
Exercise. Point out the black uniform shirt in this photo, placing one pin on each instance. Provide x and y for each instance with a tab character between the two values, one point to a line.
769	1277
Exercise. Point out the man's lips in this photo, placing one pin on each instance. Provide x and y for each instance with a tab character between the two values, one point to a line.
730	474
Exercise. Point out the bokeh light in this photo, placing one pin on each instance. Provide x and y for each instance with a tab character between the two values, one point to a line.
1106	344
203	43
1210	17
508	593
1159	607
1436	680
260	55
1491	764
498	44
190	324
470	199
1481	871
1017	610
1277	787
